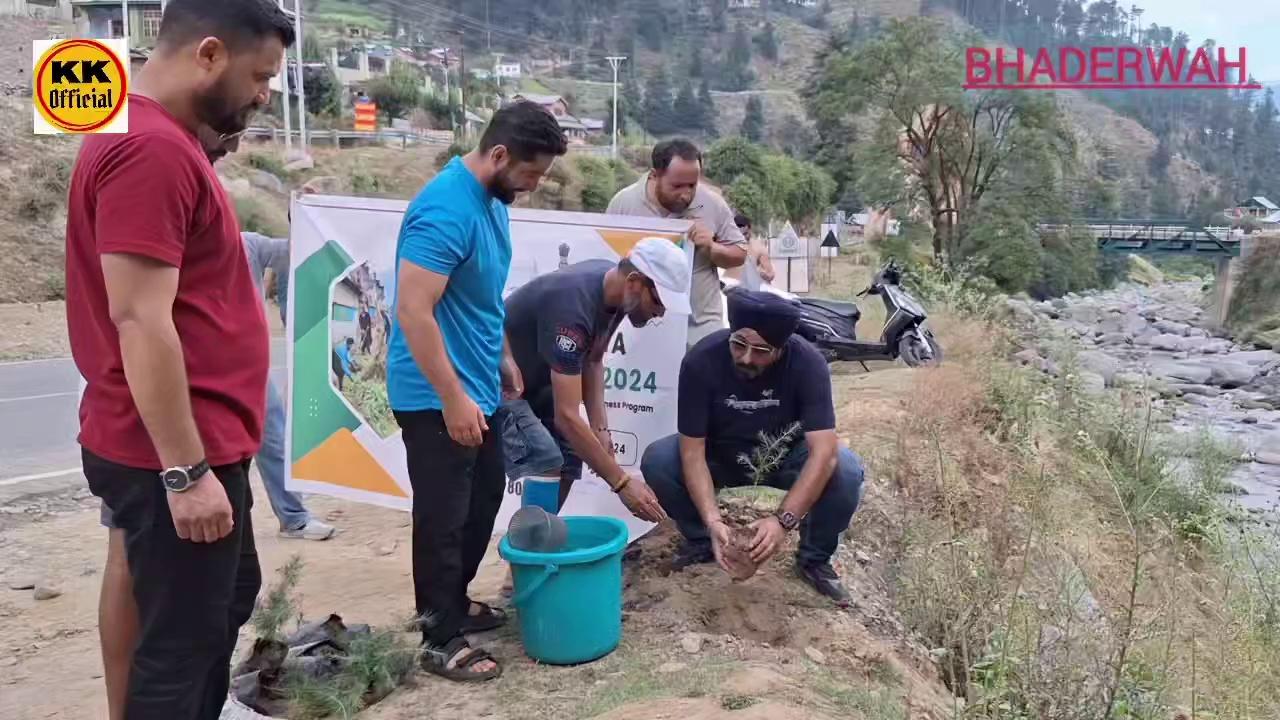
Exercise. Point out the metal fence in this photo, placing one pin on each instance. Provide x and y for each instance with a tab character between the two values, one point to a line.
404	138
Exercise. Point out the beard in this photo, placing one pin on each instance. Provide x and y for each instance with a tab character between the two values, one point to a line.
501	188
750	372
215	110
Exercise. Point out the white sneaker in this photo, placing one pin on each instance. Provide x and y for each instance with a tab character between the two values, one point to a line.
313	530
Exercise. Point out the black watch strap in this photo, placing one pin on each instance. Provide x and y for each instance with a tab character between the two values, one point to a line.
199	470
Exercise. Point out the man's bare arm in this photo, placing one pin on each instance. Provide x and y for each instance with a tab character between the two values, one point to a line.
567	391
727	256
593	393
816	473
140	295
697	477
417	293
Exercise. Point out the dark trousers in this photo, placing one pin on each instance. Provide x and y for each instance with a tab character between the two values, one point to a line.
192	597
457	491
819	531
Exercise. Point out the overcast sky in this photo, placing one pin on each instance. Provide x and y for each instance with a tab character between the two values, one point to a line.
1233	24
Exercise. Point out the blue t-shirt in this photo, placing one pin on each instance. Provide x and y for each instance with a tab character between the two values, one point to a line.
455	228
717	403
344	356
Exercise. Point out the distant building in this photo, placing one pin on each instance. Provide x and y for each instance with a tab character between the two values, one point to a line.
45	9
593	127
743	4
574	129
1257	207
507	70
105	19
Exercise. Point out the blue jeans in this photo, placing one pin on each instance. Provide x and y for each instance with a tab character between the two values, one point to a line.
819	531
531	444
286	505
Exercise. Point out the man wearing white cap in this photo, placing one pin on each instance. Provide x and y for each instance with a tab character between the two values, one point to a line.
558	328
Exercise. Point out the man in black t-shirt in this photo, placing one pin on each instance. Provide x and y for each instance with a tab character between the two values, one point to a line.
758	377
558	327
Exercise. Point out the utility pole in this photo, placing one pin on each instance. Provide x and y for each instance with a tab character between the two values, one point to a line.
448	98
614	62
488	28
462	78
284	99
124	14
302	93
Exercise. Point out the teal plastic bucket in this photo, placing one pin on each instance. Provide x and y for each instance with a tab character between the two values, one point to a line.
569	603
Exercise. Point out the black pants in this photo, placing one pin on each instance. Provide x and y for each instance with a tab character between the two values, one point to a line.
457	491
192	597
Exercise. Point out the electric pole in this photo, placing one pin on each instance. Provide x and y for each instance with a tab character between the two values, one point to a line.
302	94
124	14
462	78
614	62
284	99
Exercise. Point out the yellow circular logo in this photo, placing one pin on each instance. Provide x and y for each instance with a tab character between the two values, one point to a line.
81	86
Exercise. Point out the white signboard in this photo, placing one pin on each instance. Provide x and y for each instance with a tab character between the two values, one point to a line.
343	440
788	245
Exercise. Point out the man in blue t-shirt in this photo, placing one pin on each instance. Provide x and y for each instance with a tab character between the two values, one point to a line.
758	377
448	370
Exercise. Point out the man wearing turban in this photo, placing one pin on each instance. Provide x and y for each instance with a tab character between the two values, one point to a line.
757	377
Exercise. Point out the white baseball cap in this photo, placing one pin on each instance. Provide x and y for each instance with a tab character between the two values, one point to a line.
663	262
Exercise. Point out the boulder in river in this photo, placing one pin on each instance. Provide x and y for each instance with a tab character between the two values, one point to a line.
1254	357
1167	341
1099	363
1169	327
1190	372
1227	373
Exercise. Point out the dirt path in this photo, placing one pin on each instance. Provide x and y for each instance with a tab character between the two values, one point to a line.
759	639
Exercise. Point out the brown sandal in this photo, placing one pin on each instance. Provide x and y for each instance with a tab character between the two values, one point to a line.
435	660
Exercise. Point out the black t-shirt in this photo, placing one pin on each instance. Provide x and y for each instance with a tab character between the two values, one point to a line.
557	321
729	410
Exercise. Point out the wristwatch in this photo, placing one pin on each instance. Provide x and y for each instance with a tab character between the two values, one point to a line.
787	519
182	478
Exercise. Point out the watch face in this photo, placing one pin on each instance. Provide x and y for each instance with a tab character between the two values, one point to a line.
176	479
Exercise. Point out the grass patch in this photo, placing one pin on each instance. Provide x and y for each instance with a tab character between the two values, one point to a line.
854	701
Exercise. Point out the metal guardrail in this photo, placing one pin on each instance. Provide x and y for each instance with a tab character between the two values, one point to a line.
404	137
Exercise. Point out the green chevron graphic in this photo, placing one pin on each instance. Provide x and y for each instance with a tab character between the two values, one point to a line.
318	411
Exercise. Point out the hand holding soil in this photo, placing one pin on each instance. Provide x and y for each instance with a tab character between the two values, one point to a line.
732	549
769	536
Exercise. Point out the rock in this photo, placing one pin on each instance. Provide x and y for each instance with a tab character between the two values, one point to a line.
1254	357
1266	457
1168	342
1084	314
815	655
237	188
1115	338
670	668
1198	332
1020	311
45	592
1187	372
692	643
21	584
389	549
1188	389
1216	346
1146	337
1252	404
861	557
1092	383
1170	327
302	163
1201	400
266	181
1027	357
1195	344
1249	419
1099	363
1229	374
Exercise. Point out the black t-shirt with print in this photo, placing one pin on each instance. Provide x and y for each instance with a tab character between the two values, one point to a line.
556	321
717	403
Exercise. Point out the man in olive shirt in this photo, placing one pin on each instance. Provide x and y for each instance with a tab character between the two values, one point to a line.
672	189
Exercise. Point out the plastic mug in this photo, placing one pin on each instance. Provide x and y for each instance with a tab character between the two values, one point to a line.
543	492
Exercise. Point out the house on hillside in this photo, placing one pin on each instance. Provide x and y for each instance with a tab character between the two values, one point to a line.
743	4
507	70
1256	207
105	19
574	129
43	9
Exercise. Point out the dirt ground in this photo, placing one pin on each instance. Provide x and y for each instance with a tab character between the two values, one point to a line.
769	646
32	331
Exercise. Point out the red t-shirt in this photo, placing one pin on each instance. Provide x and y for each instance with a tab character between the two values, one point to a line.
153	192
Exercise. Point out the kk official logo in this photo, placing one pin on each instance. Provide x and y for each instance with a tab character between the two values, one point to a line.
81	86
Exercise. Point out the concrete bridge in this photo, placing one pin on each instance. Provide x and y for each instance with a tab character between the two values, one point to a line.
1174	237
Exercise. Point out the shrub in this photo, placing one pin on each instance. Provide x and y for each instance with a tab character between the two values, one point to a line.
268	162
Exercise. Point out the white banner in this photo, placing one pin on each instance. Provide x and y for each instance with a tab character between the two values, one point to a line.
344	442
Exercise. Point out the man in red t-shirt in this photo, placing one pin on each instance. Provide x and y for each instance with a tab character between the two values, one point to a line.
168	331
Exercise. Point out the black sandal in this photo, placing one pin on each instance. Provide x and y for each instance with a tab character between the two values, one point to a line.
489	618
435	660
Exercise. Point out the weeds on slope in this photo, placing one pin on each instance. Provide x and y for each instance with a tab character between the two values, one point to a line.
1060	568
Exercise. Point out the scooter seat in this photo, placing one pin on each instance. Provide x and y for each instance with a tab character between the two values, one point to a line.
838	307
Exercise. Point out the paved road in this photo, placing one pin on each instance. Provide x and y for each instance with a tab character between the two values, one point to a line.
39	404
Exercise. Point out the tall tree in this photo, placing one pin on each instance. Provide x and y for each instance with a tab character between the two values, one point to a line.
753	121
657	109
707	109
737	74
936	143
688	114
767	41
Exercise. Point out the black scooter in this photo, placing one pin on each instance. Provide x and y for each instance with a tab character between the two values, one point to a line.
831	325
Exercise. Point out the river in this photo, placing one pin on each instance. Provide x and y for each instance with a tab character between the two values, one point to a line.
1159	337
